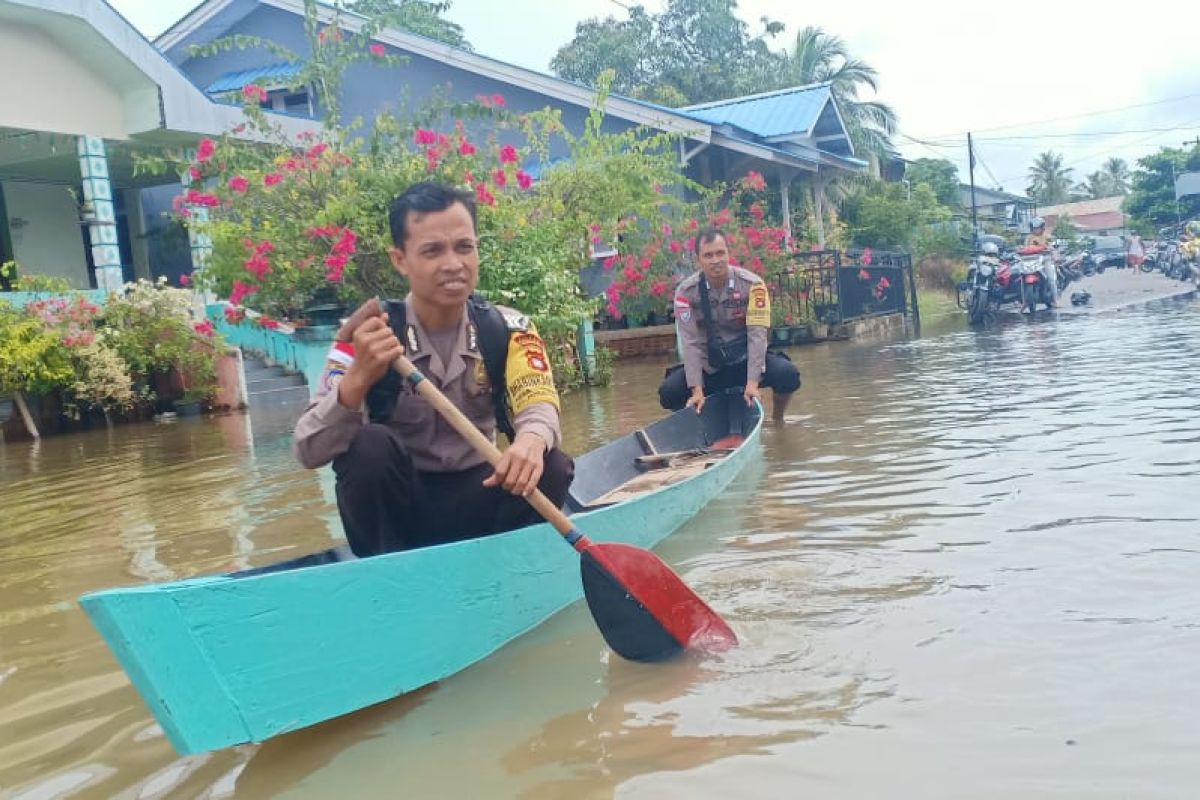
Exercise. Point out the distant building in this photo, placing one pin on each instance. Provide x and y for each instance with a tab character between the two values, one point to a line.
1095	217
1002	208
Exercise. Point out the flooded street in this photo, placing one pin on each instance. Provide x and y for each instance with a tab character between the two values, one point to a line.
966	568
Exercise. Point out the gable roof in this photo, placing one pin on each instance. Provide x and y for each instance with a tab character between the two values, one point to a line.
773	126
1083	208
786	112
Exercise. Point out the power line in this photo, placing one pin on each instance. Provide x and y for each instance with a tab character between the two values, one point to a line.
1068	117
1110	151
1081	134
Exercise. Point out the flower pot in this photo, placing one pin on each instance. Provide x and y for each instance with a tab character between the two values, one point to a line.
781	336
189	409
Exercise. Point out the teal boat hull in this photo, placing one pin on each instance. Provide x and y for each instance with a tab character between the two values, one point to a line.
243	657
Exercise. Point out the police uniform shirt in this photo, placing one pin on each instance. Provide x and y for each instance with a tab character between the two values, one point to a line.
327	428
740	312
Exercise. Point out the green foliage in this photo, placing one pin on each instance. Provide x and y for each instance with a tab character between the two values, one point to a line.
1151	200
693	51
150	328
605	360
1065	230
33	357
939	175
884	217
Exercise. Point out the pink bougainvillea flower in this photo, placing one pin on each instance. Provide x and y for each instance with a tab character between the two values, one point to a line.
424	137
239	184
757	212
666	229
431	159
500	178
316	151
195	173
465	148
205	328
675	247
756	264
524	179
255	93
863	275
234	315
508	154
291	165
484	195
198	198
609	262
594	227
660	289
497	100
239	291
754	181
205	150
377	49
185	279
884	283
268	323
272	179
347	243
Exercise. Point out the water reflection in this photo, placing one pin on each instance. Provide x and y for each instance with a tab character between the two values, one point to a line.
962	552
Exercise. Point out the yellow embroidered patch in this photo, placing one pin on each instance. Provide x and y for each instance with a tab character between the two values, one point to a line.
759	310
528	372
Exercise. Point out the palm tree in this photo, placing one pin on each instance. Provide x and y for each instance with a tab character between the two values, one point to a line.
817	57
1049	181
1096	186
1116	172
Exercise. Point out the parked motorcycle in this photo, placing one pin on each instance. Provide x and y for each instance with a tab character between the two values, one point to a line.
1033	269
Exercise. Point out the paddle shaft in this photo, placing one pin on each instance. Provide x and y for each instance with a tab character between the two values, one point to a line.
484	446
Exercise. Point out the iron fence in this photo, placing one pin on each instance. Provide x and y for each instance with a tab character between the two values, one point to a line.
835	286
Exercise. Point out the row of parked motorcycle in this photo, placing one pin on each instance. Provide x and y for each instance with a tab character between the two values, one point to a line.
1173	259
1025	278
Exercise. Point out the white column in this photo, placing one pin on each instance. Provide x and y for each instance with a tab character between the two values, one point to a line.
102	224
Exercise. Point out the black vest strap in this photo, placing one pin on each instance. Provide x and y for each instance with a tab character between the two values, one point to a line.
493	347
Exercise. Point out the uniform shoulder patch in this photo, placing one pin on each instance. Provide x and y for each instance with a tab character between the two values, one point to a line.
759	310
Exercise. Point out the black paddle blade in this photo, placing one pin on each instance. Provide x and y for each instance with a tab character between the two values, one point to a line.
644	610
630	629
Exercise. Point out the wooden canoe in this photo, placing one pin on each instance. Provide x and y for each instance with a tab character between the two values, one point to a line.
241	657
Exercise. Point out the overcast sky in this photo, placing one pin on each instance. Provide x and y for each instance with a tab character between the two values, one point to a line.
1062	75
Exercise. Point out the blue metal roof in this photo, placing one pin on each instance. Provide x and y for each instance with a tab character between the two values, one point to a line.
780	113
272	75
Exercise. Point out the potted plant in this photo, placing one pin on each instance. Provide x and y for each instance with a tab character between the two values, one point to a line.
192	401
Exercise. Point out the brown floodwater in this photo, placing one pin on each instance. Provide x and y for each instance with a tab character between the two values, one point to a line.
965	567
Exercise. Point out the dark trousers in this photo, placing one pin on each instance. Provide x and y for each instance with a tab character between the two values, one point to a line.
780	374
387	504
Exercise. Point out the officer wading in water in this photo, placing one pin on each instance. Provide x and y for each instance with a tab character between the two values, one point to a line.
405	478
722	316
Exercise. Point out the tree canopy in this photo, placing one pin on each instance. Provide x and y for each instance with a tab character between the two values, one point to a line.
939	175
692	52
1151	199
1049	181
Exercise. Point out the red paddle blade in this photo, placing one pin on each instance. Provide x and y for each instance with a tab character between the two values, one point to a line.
643	609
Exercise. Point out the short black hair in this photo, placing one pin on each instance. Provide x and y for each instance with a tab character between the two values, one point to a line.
422	198
710	234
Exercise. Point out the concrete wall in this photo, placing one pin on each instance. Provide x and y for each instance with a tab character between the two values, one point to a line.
43	220
56	89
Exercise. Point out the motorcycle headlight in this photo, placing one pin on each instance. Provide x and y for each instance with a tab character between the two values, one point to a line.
986	270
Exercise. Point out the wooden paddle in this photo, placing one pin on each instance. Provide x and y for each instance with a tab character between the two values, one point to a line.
643	609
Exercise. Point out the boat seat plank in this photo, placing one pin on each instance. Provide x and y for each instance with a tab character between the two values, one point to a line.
680	470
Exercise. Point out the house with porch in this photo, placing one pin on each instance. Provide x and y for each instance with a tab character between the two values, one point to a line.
97	94
92	96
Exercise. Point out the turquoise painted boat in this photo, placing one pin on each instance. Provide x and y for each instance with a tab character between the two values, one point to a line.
241	657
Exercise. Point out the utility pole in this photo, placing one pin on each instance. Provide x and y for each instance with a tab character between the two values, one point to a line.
971	170
1178	219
